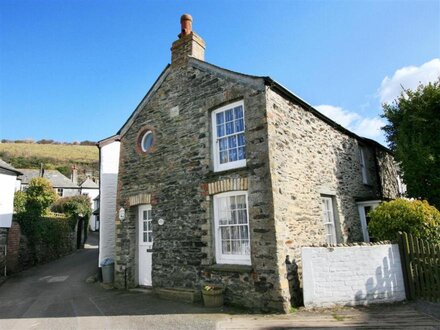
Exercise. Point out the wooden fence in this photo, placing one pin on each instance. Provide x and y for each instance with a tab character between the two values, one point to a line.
421	267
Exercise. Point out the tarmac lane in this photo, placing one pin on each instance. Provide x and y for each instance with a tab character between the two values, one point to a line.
57	296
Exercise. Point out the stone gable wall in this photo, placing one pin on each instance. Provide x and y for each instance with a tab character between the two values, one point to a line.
177	174
388	175
310	158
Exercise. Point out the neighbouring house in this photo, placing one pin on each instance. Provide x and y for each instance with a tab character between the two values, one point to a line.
91	189
94	222
108	182
222	177
8	187
62	185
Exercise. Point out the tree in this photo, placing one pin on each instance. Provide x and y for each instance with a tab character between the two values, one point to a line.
413	133
20	201
39	196
413	217
78	206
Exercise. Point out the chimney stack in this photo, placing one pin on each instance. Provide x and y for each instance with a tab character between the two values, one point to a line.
188	44
74	175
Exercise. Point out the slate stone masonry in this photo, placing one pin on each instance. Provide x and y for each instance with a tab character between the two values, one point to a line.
292	159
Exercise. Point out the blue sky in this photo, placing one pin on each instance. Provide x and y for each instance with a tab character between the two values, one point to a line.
75	70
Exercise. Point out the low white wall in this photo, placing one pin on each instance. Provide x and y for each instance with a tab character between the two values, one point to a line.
354	275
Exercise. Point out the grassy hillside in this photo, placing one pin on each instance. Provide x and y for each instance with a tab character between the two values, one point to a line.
53	156
75	153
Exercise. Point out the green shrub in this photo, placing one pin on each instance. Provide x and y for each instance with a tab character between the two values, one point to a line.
411	216
19	201
39	196
78	206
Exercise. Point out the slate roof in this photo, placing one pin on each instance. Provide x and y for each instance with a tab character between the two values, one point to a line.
89	184
7	167
57	179
265	80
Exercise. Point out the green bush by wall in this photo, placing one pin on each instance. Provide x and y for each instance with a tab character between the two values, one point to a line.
411	216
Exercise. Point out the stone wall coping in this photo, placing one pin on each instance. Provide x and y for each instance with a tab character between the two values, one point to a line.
230	268
348	244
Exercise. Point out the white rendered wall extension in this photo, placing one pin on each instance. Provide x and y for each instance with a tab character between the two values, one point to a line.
109	167
354	275
7	190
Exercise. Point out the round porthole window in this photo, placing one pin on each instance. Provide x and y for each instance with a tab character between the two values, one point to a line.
147	141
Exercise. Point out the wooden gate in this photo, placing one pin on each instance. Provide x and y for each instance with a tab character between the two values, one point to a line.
421	267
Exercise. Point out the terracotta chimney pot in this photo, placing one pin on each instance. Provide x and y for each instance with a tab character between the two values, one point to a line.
186	25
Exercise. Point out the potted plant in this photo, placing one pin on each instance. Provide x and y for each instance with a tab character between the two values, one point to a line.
212	295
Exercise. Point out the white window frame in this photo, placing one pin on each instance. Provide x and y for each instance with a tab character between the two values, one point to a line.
330	235
363	218
145	208
228	258
363	165
144	137
215	140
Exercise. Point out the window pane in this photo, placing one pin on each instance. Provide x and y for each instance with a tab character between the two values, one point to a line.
223	144
220	130
145	225
235	232
241	153
146	237
246	248
241	216
239	125
232	203
233	217
147	141
229	115
232	155
225	233
238	112
223	157
241	201
232	142
235	247
241	141
244	232
229	128
226	247
145	215
220	116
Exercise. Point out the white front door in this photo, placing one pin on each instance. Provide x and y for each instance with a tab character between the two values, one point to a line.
145	239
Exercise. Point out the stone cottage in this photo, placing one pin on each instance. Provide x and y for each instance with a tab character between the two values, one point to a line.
223	177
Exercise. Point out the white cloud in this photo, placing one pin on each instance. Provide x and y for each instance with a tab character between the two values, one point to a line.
342	117
364	126
409	77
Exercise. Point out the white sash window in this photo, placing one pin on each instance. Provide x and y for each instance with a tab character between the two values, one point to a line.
229	145
232	240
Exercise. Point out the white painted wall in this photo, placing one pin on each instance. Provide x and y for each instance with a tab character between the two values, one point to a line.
109	167
354	275
92	194
7	190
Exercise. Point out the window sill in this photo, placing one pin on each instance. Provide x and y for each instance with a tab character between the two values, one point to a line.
231	268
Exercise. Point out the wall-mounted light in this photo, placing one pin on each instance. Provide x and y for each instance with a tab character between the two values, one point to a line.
122	214
160	222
